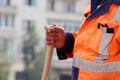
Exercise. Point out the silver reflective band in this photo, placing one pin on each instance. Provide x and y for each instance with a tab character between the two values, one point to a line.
95	67
117	15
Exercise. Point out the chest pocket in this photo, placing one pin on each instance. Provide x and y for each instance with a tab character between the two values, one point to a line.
108	29
106	37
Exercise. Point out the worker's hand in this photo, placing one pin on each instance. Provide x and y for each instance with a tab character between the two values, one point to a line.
55	36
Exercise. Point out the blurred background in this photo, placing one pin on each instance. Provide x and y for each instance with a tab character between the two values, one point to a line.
22	46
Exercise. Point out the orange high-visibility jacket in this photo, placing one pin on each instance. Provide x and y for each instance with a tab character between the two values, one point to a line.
96	51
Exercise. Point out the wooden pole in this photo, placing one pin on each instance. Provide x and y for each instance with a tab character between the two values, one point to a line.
47	62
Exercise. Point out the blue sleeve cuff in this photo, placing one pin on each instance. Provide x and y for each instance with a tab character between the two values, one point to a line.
68	47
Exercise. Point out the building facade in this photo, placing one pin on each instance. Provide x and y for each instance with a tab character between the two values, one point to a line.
16	15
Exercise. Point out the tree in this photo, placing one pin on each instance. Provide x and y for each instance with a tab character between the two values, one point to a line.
29	43
31	57
37	71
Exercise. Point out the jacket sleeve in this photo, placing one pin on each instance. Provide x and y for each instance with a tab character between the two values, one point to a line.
66	51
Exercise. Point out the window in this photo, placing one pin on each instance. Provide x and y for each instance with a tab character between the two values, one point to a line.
7	21
30	2
67	25
4	2
21	76
65	77
7	46
51	5
69	6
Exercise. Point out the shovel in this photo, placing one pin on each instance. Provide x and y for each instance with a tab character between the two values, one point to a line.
47	62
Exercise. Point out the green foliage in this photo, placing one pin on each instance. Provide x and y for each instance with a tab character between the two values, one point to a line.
37	59
37	71
30	56
29	43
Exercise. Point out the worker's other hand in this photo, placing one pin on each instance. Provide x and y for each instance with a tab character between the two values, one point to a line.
55	36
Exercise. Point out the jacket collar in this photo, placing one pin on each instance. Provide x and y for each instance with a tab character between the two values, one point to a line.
99	7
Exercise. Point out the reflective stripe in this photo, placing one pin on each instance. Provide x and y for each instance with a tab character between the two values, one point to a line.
103	49
95	67
117	15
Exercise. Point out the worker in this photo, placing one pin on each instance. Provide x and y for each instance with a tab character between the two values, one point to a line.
95	47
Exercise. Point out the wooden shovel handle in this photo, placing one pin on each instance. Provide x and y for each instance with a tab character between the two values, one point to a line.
47	62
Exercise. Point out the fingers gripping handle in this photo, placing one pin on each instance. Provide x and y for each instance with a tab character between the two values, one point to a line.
47	62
